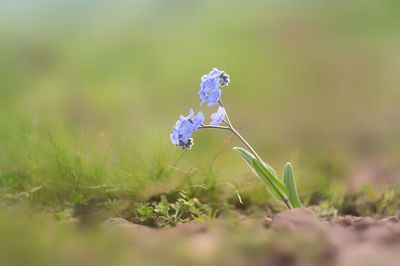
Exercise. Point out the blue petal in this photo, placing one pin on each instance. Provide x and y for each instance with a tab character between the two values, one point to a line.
174	138
218	117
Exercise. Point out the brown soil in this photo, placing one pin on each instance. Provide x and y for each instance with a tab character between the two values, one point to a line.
345	241
294	237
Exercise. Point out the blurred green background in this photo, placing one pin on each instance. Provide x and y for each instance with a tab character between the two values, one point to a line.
90	90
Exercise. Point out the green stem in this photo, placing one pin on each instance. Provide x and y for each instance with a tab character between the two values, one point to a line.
216	127
234	131
237	134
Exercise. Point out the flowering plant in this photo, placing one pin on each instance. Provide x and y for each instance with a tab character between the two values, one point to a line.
210	92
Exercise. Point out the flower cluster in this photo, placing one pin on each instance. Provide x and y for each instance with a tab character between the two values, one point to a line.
210	92
210	86
183	129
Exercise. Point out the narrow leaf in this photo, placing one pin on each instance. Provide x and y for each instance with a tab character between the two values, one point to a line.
265	173
290	184
274	185
248	157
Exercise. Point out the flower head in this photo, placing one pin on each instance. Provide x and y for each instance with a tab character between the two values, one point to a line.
218	116
210	86
183	129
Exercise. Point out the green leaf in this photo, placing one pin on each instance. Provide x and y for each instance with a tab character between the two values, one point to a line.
290	183
248	157
265	173
274	185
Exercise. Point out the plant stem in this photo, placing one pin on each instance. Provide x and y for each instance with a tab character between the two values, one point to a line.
234	131
216	127
237	134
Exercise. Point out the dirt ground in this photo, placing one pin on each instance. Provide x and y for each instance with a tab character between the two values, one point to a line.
294	237
346	241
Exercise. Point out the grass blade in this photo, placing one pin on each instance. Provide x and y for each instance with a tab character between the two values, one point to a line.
290	184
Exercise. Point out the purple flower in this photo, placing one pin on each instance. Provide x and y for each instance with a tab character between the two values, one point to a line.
218	116
210	86
183	129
